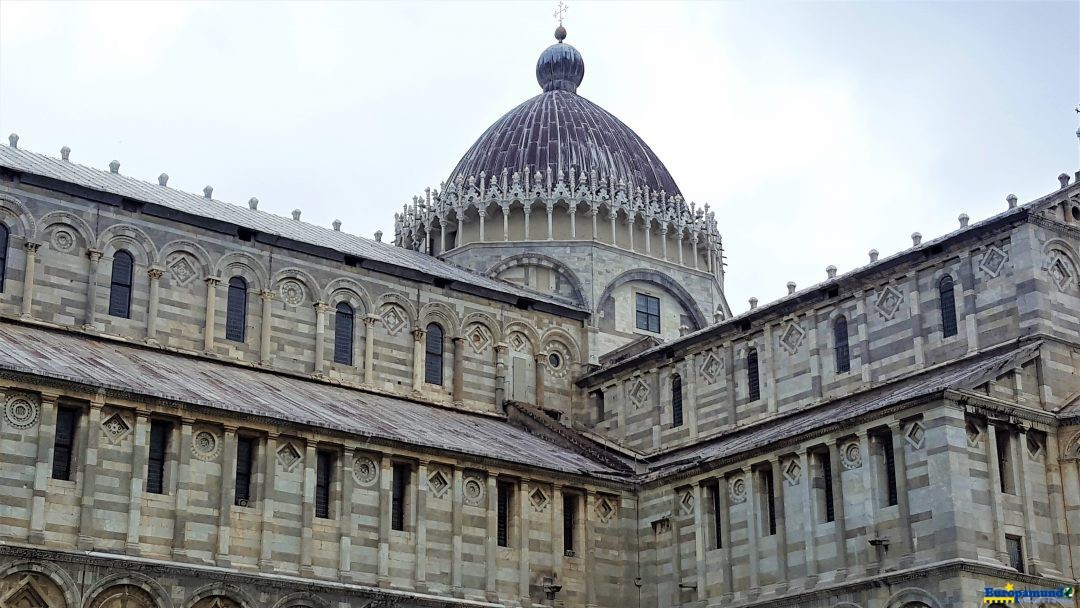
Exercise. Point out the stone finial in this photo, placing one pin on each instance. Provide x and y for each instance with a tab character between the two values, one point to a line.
1011	199
337	225
753	303
163	179
1063	179
208	192
830	271
253	203
684	329
65	153
296	214
873	255
13	140
718	315
964	219
790	287
916	239
114	166
378	236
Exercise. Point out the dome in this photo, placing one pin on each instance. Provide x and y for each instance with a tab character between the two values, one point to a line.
560	130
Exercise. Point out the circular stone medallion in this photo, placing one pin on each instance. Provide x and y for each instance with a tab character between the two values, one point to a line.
63	240
365	471
473	489
21	411
205	445
292	292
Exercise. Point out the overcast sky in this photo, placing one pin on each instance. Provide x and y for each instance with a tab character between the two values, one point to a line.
816	130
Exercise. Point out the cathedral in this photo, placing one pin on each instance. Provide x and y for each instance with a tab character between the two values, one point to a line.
534	393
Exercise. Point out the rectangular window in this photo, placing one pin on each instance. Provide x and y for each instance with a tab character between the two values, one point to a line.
752	377
769	506
718	515
155	465
245	462
506	492
826	472
1004	457
402	473
63	447
598	403
1014	545
889	458
324	478
569	523
648	313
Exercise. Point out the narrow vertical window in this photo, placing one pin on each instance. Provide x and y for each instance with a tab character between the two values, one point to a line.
826	474
3	254
1015	548
948	306
159	449
343	334
890	468
569	523
841	350
324	479
433	355
123	271
598	403
505	495
648	313
245	462
400	493
769	508
752	378
236	310
676	401
718	515
64	443
1005	473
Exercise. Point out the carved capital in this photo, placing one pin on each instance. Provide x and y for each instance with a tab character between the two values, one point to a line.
266	294
155	273
93	254
370	320
418	333
321	306
213	281
31	246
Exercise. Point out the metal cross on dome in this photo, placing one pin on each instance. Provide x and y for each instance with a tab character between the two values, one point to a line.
560	11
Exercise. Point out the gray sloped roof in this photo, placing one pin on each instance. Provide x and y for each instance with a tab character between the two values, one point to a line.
99	363
114	183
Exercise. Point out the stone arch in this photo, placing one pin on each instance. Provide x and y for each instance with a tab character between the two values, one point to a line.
151	593
76	223
185	248
556	334
341	287
240	263
399	300
543	261
126	236
233	596
396	313
442	313
526	330
1056	249
663	281
311	288
17	217
479	318
912	597
54	576
302	600
846	605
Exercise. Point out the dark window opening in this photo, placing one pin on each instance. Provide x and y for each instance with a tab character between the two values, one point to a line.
676	401
236	310
1015	548
826	471
569	519
324	478
598	403
948	306
155	466
1005	479
245	461
402	473
843	353
890	468
648	313
3	254
718	516
752	377
433	351
343	334
770	501
123	270
64	443
505	494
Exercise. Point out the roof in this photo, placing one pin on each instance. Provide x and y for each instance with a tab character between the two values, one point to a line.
141	371
772	432
114	183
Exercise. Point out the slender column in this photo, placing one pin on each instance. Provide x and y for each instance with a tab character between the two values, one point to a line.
699	540
139	457
550	233
1055	490
870	501
693	244
995	492
442	235
573	222
155	275
523	543
227	496
418	359
483	216
308	499
680	248
385	477
753	525
904	510
369	348
590	550
211	311
1031	552
648	236
967	281
779	482
266	327
611	216
675	530
840	526
91	288
458	235
45	441
690	372
28	277
266	548
809	521
455	545
816	389
630	231
421	525
723	487
506	224
501	352
540	360
320	334
87	530
663	242
732	395
916	321
527	211
458	390
769	376
595	232
557	541
491	562
183	491
862	334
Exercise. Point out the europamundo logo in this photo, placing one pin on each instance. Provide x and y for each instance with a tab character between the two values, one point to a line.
1009	594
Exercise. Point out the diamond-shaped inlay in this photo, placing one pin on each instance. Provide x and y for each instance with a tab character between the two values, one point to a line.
639	394
538	499
288	456
518	342
888	302
973	433
793	471
1034	445
993	261
792	337
438	483
604	509
1061	271
479	338
915	434
686	502
393	319
181	270
712	367
116	428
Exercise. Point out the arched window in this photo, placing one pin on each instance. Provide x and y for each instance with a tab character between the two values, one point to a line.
236	310
948	306
841	350
123	270
752	377
433	360
343	334
3	255
676	400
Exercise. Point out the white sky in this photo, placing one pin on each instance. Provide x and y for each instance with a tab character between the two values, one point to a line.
815	130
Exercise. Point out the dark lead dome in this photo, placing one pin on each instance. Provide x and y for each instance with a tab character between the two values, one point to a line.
560	130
